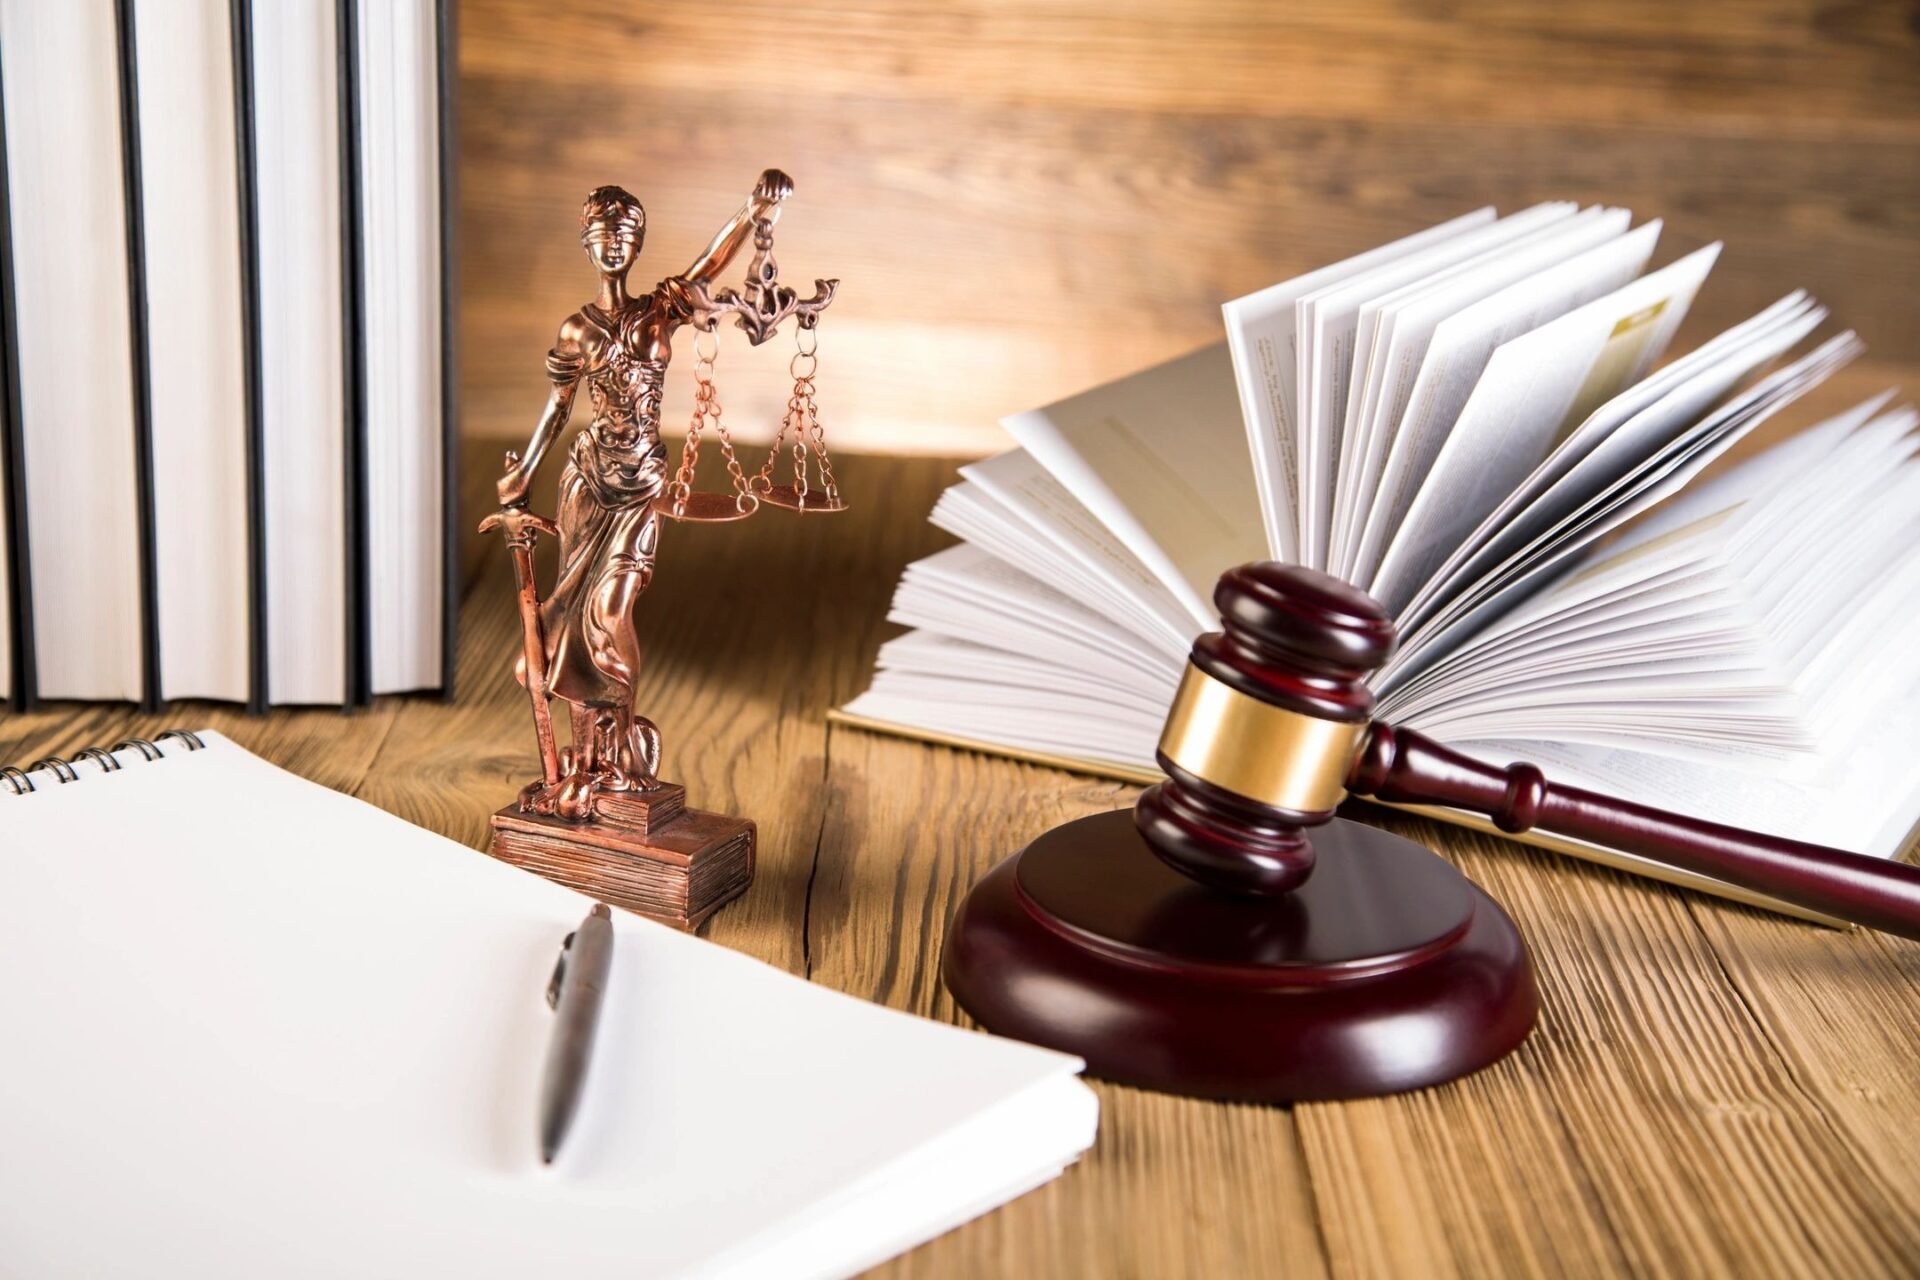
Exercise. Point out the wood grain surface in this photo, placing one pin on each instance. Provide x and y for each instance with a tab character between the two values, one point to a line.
1711	1090
1024	198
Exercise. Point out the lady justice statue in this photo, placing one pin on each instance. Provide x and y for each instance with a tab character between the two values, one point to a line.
581	643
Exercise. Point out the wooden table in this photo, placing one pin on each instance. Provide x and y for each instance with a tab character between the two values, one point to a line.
1710	1090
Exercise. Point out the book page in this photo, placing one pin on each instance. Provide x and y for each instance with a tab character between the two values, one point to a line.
1405	325
1759	641
1052	513
981	521
1788	469
1455	358
400	196
1062	733
1617	437
1056	722
932	657
1260	338
1663	473
1160	458
1538	563
1327	323
966	593
1517	406
1870	812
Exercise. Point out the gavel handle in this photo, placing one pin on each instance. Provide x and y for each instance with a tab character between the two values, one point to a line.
1405	767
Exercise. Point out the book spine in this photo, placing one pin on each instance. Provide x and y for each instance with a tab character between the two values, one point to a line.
359	634
146	533
246	153
446	27
25	692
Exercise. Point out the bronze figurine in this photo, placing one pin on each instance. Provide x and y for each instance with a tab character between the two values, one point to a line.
581	642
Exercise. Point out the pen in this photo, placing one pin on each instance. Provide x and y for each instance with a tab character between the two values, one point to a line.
576	991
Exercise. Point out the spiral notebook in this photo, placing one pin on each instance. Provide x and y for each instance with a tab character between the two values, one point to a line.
256	1027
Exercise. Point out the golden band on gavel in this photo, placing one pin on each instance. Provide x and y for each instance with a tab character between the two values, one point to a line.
1254	749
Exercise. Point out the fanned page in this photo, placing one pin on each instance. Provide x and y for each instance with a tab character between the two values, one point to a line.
1763	623
1015	495
1262	336
1477	427
1598	496
1533	389
280	1010
1160	459
1397	335
1456	354
1614	438
1336	326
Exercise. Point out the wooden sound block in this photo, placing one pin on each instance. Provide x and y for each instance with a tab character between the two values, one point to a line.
644	851
1386	970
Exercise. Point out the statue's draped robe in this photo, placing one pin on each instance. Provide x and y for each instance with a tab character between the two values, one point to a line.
609	527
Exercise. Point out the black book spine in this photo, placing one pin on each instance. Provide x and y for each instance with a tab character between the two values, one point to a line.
447	30
246	155
359	674
150	691
25	691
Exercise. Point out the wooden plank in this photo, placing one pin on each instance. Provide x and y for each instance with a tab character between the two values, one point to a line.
1024	201
1845	1022
1616	64
1650	1123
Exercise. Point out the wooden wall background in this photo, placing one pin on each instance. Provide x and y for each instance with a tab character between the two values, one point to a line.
1025	197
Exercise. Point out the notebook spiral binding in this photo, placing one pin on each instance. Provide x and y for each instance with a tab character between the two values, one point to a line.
19	781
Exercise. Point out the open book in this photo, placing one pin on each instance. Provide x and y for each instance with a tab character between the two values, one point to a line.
1475	425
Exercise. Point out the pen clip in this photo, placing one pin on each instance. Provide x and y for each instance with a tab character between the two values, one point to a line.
559	973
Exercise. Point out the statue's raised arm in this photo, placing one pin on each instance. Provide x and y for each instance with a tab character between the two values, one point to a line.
764	303
762	206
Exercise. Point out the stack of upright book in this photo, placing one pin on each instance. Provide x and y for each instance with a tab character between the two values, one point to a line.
226	454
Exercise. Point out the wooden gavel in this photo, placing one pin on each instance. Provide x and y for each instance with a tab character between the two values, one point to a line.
1272	728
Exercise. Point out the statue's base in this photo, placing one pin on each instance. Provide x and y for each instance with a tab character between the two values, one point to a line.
1386	970
644	851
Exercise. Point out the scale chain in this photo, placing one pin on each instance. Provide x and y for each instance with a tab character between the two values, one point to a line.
707	412
802	418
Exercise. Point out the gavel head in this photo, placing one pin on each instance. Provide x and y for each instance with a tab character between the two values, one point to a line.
1265	727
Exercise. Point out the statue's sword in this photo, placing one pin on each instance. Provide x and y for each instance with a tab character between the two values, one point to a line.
523	527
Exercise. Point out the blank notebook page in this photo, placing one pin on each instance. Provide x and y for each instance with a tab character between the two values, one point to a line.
254	1027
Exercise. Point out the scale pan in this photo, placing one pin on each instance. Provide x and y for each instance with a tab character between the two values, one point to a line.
705	508
786	495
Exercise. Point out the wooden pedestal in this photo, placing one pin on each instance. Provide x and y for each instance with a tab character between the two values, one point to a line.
1386	970
645	851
